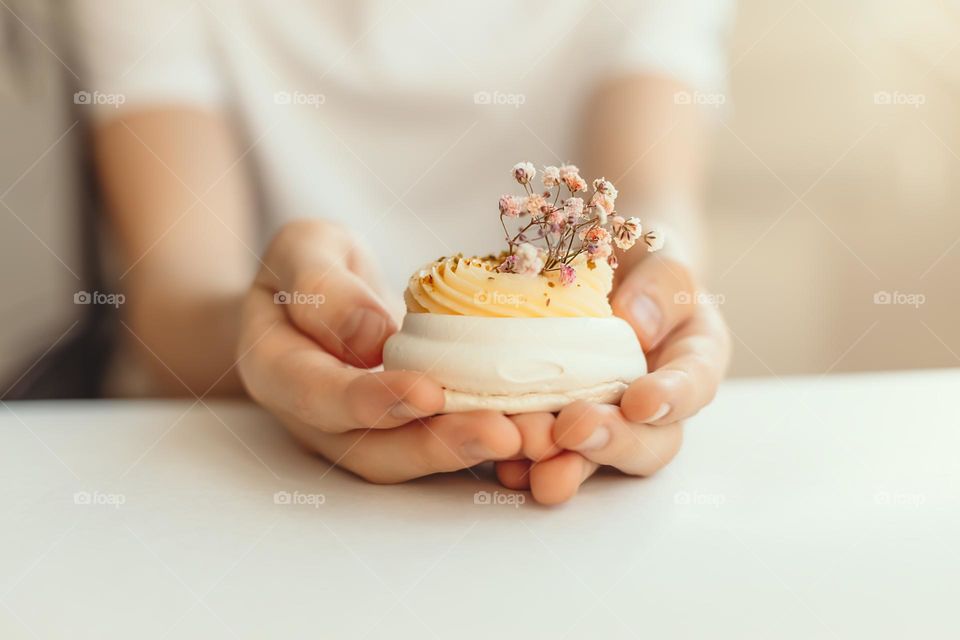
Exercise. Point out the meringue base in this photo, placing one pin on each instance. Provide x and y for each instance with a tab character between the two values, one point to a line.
457	401
518	365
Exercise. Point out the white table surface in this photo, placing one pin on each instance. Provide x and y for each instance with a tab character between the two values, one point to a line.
798	508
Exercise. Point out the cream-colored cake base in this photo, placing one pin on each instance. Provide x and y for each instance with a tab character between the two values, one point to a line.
457	401
518	365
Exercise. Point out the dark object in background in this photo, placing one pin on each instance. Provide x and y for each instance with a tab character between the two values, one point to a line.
73	359
76	365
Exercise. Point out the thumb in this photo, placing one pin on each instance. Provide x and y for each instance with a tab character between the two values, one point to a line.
654	297
342	313
307	267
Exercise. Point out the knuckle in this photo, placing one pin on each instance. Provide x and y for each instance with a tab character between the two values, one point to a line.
431	450
372	474
281	241
661	456
313	281
360	461
310	301
710	393
674	443
575	411
254	360
703	379
303	403
246	367
489	417
296	232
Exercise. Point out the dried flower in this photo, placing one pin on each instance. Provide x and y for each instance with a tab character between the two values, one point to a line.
569	230
551	177
573	209
604	186
556	219
533	204
625	232
603	201
524	172
597	243
575	183
654	240
570	176
596	234
528	259
509	206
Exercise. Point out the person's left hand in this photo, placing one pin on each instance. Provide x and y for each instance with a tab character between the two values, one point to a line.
688	348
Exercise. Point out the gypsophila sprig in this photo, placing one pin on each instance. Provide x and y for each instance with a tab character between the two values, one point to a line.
552	234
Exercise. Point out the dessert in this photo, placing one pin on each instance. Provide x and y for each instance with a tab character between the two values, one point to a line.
530	329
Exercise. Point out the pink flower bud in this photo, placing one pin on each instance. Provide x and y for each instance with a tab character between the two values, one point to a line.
573	209
568	275
551	176
509	206
523	172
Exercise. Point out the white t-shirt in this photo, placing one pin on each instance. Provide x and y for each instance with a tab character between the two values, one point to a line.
399	118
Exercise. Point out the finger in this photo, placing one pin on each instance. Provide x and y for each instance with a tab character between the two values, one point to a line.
308	272
602	435
558	479
687	370
536	432
653	298
286	372
439	444
514	474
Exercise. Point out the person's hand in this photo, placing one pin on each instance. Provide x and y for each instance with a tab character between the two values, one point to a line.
312	324
688	349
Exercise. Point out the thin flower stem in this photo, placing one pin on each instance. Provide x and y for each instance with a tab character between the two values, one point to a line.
565	241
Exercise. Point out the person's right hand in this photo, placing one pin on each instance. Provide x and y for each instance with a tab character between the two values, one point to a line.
305	357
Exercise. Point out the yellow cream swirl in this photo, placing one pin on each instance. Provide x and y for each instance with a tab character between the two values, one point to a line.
473	287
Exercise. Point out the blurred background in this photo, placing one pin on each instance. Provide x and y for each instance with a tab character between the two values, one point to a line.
833	196
835	179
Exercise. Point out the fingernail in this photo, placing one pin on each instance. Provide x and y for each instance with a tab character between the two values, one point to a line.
647	315
404	411
476	450
596	440
362	330
660	412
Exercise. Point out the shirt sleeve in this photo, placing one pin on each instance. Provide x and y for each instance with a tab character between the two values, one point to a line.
137	53
683	39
